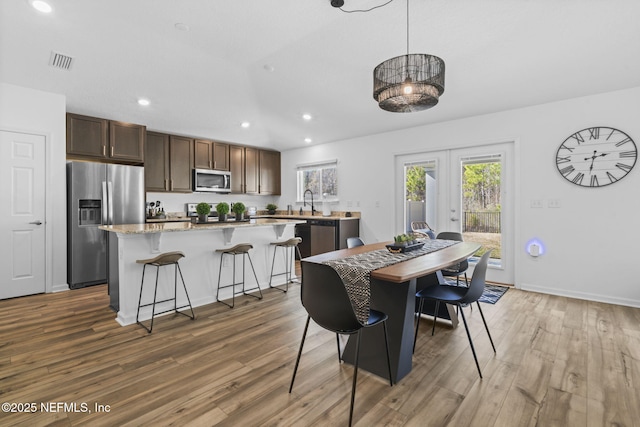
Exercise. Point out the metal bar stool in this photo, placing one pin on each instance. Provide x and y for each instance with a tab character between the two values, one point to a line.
239	249
167	258
290	248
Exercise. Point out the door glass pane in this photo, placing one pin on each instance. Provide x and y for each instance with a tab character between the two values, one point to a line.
481	204
420	193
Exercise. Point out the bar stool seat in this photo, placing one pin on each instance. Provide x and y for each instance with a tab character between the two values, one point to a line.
290	248
243	250
162	260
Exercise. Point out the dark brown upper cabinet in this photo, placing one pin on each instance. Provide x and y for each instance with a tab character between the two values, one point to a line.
168	163
211	155
254	171
269	172
251	171
126	141
156	168
92	138
237	168
87	136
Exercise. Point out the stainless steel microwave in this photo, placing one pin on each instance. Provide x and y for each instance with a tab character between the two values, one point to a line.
213	181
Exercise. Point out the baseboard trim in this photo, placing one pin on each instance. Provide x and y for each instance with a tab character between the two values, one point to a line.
581	295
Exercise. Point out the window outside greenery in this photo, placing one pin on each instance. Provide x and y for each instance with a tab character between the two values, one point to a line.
320	179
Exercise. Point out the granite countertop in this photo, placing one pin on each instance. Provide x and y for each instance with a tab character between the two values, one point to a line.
172	226
309	216
168	219
336	215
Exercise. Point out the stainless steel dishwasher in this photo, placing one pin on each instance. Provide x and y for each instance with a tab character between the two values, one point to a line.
323	235
318	236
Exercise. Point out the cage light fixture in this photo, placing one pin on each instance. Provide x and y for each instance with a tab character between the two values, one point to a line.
408	83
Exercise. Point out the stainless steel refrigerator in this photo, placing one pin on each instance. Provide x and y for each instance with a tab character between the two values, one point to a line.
98	194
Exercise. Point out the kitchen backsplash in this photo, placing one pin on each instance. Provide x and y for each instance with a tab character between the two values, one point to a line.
174	203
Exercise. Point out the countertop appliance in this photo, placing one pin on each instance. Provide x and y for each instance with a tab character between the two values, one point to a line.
211	181
98	194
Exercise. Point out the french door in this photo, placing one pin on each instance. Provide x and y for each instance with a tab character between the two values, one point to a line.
468	190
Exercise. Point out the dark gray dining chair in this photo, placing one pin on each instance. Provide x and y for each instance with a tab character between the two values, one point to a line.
326	301
458	295
459	268
353	242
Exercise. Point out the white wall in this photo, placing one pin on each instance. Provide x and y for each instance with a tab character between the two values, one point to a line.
43	113
589	240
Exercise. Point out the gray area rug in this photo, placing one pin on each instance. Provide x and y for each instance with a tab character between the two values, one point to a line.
491	294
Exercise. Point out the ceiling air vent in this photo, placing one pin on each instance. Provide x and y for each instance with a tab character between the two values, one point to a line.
58	60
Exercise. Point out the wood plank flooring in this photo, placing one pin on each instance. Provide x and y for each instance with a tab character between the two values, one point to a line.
559	362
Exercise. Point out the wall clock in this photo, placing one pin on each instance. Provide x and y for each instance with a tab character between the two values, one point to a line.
597	156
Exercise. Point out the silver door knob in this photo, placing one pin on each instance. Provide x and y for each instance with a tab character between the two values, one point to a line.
36	222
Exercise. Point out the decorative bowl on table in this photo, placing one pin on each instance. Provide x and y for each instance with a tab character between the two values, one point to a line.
404	243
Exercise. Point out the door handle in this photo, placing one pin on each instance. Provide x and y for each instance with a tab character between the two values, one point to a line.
454	219
36	222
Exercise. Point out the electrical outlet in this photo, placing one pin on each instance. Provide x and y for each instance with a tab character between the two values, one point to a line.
536	203
553	203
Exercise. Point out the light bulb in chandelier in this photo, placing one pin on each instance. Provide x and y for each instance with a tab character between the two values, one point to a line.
407	86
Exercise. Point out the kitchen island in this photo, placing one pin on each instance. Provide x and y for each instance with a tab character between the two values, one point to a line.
130	242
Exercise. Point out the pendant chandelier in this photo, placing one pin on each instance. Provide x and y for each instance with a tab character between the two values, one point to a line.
408	83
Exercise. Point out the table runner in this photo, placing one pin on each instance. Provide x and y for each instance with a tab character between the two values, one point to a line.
355	271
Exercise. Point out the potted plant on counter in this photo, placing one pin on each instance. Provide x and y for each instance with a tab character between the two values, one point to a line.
223	209
239	208
203	209
271	208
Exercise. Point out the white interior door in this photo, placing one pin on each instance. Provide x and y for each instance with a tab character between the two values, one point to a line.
22	219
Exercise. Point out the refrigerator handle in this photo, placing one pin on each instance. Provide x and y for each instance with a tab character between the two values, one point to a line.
105	217
110	201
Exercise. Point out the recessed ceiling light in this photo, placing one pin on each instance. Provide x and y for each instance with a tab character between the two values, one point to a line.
143	101
182	27
307	140
306	116
245	124
41	6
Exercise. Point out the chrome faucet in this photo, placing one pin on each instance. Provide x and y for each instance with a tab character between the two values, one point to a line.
304	200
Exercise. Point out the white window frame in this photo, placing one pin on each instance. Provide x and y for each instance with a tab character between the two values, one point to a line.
327	164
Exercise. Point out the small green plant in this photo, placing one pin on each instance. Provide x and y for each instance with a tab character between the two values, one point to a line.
272	208
402	238
203	208
238	208
222	208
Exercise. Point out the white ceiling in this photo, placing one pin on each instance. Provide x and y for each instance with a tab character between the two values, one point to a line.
499	55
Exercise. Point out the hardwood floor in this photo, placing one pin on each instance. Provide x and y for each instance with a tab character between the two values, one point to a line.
559	362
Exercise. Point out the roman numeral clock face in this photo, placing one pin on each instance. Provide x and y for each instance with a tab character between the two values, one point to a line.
596	157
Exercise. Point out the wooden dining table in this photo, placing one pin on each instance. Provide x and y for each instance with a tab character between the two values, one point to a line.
393	290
